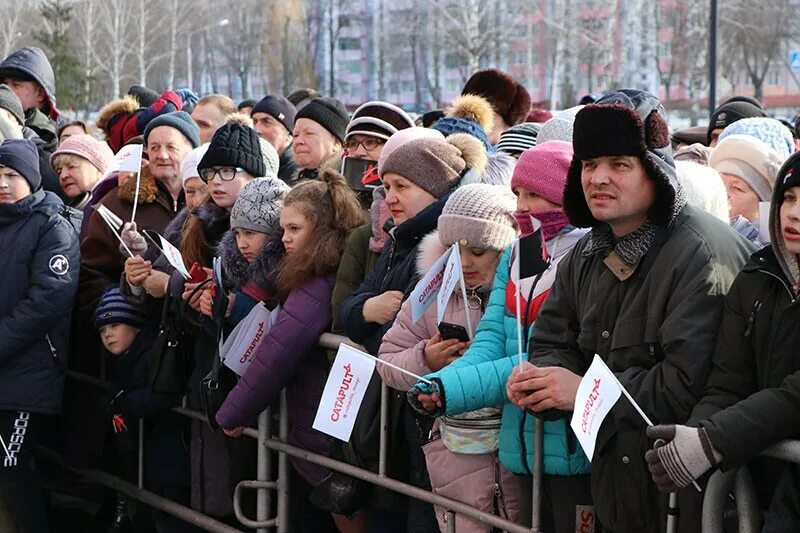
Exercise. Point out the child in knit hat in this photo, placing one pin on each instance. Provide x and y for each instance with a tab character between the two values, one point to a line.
252	249
127	337
461	457
477	380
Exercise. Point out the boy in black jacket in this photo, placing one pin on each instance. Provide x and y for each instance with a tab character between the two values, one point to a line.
128	337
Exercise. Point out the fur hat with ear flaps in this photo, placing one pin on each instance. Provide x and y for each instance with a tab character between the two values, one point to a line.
624	122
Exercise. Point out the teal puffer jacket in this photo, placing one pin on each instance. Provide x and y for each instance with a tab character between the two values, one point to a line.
478	378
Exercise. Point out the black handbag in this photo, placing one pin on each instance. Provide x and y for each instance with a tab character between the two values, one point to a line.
168	358
339	493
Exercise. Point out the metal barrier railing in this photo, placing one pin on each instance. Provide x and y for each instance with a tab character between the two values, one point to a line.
748	511
264	485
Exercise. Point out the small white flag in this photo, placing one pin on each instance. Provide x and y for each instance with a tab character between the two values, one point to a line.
239	349
598	392
174	256
428	287
128	159
344	391
452	276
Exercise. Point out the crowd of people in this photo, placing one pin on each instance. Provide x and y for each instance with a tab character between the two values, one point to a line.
673	255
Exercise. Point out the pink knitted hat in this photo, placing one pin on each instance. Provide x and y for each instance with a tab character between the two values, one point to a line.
96	152
542	170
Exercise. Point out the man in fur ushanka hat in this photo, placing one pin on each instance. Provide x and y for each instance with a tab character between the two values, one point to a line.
643	289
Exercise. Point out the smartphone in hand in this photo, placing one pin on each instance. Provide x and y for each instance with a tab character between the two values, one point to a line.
453	331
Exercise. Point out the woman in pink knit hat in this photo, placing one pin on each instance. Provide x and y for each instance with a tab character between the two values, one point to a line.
477	379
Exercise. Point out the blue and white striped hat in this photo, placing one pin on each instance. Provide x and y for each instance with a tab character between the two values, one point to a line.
115	309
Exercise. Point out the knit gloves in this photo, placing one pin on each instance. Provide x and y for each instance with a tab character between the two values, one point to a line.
680	455
132	239
412	395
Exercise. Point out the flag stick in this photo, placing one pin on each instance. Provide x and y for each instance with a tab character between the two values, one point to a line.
111	227
390	365
639	410
136	196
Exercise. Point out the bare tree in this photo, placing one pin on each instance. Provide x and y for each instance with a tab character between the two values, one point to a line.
242	39
755	34
12	17
113	49
149	23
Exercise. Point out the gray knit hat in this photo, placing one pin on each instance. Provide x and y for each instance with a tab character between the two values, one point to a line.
436	166
270	157
258	206
479	216
10	102
559	128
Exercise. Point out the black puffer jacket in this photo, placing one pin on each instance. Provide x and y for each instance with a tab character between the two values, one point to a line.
40	263
394	271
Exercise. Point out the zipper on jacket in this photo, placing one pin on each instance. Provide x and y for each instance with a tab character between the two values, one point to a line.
52	348
783	282
752	319
389	265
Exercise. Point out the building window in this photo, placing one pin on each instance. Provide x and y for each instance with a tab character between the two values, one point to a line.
349	43
774	77
353	66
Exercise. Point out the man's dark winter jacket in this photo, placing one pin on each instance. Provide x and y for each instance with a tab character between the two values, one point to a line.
394	271
40	263
655	326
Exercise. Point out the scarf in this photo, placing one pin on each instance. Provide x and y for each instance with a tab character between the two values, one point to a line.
633	246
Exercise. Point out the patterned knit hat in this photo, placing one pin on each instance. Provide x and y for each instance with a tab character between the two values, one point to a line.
767	130
115	309
258	206
378	119
479	216
329	113
519	138
87	147
436	166
234	145
543	169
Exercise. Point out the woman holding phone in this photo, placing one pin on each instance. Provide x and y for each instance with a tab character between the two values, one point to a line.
461	452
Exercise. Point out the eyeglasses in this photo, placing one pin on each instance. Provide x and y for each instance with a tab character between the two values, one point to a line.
224	173
369	144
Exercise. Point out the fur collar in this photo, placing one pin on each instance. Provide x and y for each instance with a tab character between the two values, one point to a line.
430	249
332	162
263	271
215	221
148	188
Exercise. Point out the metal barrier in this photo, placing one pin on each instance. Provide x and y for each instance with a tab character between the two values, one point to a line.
748	512
265	485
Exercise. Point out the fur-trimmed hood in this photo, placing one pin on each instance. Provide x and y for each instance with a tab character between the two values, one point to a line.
127	105
263	271
429	251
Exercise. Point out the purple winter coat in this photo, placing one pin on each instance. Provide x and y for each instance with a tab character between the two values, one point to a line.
289	357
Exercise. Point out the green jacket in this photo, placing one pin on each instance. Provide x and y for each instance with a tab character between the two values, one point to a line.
654	324
357	262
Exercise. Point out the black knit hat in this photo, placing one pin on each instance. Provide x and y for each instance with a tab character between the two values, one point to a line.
624	122
234	145
329	113
378	119
11	103
277	107
730	112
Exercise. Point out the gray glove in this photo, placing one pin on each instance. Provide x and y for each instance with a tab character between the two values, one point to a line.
681	454
132	239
